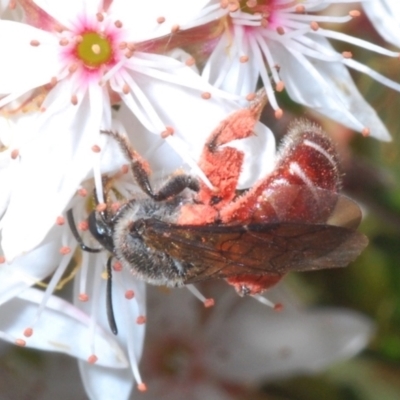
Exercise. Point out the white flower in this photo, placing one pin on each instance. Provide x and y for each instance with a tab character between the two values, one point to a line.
89	55
37	319
385	16
285	44
190	352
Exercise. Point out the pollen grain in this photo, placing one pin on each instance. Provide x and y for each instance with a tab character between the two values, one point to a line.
28	332
92	359
60	220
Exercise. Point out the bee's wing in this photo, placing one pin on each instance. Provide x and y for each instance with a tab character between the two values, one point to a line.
223	251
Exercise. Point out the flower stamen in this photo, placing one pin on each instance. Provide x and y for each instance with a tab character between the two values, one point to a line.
92	359
73	68
83	297
53	81
83	226
208	302
117	267
14	154
190	62
82	192
354	13
278	113
269	303
280	86
60	220
141	387
54	281
64	42
366	132
169	131
175	28
64	250
74	99
20	342
96	148
126	89
28	332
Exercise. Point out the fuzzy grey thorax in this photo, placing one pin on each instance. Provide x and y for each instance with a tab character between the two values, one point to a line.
132	249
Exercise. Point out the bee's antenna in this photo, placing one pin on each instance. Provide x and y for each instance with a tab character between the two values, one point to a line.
109	305
77	236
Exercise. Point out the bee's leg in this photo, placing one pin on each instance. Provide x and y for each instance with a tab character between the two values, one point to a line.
78	238
141	172
176	185
139	167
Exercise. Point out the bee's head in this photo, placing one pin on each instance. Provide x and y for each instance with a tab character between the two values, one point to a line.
102	229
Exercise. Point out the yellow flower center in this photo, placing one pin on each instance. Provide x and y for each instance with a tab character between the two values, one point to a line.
255	6
94	49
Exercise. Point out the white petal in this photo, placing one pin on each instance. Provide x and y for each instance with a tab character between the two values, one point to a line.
13	134
7	169
105	383
259	154
258	343
334	94
42	60
226	72
141	20
385	16
101	383
29	268
72	12
61	327
125	311
52	166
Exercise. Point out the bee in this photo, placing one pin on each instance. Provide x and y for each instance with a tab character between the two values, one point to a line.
293	219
